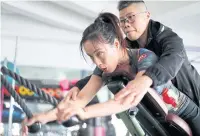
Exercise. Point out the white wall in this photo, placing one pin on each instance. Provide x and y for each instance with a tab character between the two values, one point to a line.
40	44
43	53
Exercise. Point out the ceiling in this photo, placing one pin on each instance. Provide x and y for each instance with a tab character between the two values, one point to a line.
70	18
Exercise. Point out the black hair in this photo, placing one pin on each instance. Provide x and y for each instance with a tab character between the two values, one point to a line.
123	4
104	30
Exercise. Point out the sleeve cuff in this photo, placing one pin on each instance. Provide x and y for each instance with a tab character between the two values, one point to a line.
153	77
81	83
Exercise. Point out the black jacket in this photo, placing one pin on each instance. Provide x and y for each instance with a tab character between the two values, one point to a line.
173	63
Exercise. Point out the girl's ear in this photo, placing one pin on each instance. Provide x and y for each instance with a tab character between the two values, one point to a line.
116	43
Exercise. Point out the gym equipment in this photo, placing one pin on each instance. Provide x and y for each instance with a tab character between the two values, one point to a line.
17	89
9	66
71	122
22	91
73	82
35	127
99	130
12	67
18	115
58	93
1	105
150	117
30	93
12	102
4	92
51	92
95	127
64	84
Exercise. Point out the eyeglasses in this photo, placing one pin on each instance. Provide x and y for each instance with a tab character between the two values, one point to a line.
130	18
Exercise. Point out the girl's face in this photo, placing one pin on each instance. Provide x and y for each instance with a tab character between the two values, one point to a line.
105	56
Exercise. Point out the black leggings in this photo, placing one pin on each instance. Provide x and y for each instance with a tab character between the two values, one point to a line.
191	114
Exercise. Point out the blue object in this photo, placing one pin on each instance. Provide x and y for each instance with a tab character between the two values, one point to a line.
17	115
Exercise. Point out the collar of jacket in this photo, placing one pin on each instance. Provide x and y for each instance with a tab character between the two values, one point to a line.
154	29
